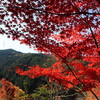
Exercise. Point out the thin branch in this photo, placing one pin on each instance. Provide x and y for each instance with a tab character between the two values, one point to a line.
72	71
60	14
64	14
95	95
93	37
96	43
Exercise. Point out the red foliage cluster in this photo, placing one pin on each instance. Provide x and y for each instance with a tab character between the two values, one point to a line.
68	29
54	73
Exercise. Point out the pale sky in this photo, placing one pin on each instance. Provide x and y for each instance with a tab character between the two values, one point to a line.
6	43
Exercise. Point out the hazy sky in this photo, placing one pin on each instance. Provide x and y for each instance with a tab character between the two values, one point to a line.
6	43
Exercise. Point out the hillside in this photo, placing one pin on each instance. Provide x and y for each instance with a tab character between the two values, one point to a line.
10	58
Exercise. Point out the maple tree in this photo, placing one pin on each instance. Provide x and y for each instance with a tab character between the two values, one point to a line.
67	29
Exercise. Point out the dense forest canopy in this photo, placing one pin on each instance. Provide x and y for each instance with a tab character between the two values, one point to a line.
67	29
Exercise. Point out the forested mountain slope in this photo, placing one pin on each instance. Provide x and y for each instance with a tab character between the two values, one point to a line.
10	58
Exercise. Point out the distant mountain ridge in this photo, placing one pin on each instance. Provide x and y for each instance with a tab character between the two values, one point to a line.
8	52
10	57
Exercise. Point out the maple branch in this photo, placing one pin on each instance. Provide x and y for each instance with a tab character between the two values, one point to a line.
61	14
75	13
94	37
72	71
96	43
94	40
95	95
96	46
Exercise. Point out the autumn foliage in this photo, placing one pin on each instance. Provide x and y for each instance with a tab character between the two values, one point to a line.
90	95
67	29
8	91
